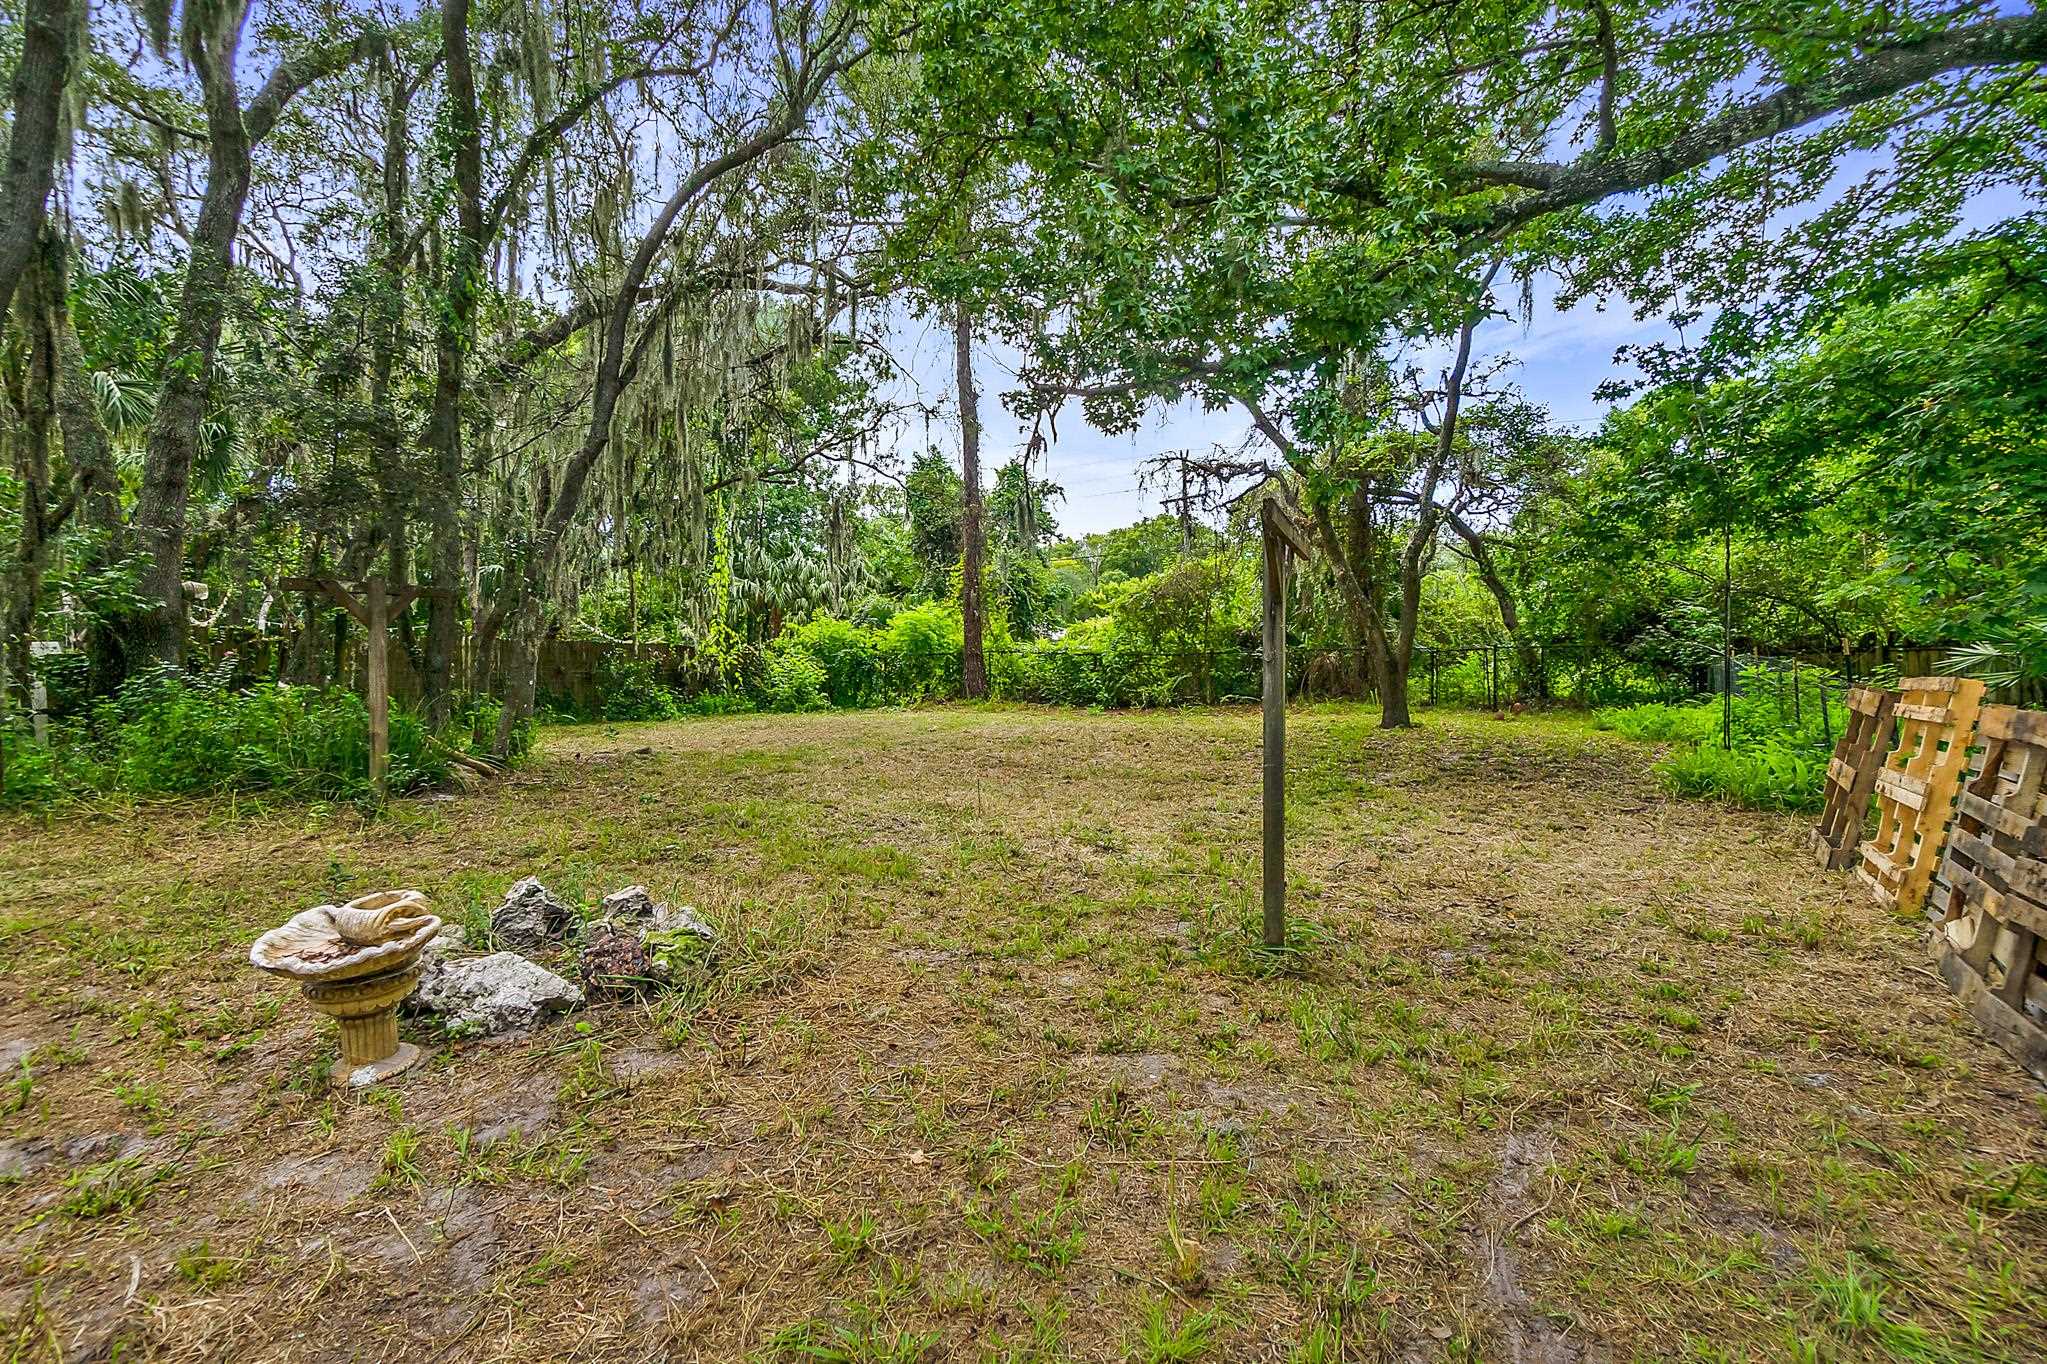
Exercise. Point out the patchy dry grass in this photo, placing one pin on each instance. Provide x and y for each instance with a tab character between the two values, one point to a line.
1560	1069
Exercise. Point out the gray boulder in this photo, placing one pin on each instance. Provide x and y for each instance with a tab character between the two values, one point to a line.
633	905
531	916
680	919
491	996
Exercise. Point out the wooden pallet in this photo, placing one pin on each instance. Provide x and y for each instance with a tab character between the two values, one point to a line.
1995	880
1917	785
1851	776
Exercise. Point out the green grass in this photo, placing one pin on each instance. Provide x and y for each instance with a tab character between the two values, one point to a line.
988	1062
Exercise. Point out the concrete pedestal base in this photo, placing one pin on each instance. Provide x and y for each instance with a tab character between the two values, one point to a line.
374	1072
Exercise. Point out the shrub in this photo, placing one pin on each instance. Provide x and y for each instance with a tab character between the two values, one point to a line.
922	648
631	689
1778	760
855	669
33	775
167	733
1659	723
796	681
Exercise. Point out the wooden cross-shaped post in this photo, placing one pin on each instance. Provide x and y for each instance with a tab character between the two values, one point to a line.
378	603
1281	536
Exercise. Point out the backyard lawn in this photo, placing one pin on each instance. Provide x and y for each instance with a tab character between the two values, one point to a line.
1559	1068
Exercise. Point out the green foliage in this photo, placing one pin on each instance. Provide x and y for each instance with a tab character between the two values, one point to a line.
174	734
934	498
796	681
922	646
850	657
632	689
1780	740
1774	775
1656	722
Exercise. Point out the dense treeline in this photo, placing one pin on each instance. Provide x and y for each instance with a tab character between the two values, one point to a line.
586	315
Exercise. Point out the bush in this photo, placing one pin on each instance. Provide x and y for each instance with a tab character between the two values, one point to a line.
1780	747
167	733
852	656
1659	723
33	775
631	689
796	681
922	647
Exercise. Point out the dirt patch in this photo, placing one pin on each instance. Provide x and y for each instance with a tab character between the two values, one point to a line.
334	1179
1526	1335
523	1114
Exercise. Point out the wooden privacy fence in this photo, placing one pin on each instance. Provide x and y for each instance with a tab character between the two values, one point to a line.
568	668
1963	840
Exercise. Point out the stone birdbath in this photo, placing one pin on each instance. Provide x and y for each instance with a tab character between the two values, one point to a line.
356	963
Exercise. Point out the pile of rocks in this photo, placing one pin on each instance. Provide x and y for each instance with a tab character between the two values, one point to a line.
633	947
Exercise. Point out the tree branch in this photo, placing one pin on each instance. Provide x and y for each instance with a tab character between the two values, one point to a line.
295	75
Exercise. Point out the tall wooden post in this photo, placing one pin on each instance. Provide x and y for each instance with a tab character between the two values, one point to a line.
377	686
1274	703
380	601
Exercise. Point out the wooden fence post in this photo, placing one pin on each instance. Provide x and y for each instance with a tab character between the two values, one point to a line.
1273	694
1280	536
379	601
377	686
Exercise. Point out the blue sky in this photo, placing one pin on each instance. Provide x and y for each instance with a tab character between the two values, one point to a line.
1564	357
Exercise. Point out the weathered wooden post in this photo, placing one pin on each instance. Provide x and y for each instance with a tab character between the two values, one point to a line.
377	685
380	601
1280	535
1273	696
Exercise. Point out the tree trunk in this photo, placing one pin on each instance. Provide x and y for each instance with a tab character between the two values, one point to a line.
32	146
157	634
88	449
89	463
454	338
32	469
386	337
1533	681
973	661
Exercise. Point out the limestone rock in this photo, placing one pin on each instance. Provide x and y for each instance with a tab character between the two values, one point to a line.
633	905
679	944
493	995
531	916
681	919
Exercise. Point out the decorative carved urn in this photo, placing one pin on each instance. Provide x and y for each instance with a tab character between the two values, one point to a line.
356	963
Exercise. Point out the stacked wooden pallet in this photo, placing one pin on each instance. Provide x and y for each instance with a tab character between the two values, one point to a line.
1994	875
1917	786
1851	776
1963	840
